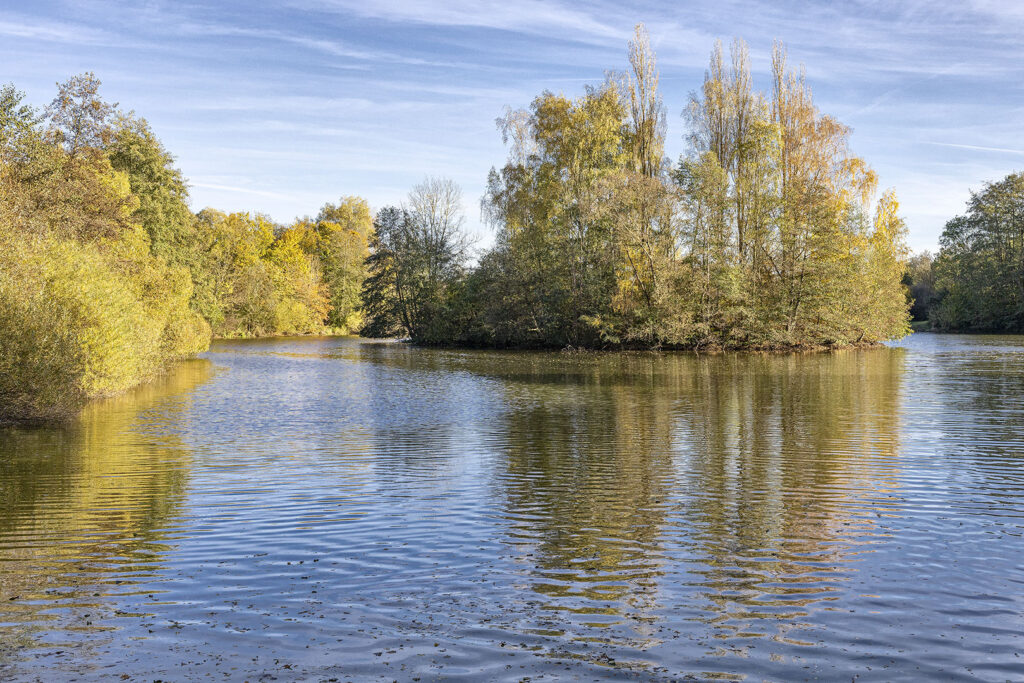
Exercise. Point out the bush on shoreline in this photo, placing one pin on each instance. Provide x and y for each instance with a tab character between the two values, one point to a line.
74	326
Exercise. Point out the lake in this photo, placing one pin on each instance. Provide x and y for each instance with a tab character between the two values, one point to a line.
345	509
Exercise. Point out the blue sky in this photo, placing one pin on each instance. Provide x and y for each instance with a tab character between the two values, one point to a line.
280	107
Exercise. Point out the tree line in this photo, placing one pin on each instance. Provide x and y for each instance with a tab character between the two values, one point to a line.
106	275
976	282
765	235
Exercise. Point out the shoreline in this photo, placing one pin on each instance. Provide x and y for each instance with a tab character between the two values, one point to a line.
698	350
800	349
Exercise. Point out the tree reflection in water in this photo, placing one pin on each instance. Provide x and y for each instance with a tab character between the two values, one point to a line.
747	482
88	511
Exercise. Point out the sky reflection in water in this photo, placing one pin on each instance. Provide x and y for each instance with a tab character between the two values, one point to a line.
318	508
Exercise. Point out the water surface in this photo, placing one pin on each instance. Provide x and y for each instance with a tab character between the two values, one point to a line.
317	509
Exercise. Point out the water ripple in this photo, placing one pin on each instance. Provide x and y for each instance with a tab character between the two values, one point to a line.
317	509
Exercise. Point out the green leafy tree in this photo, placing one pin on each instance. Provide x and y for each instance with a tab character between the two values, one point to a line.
547	206
160	187
979	272
17	120
343	232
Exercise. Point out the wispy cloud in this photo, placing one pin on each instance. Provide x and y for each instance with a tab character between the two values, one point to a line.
333	48
979	148
302	105
284	104
241	190
54	32
534	17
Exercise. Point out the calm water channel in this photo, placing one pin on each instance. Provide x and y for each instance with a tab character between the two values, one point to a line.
317	509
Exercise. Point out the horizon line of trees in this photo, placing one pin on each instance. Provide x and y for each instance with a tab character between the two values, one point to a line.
766	234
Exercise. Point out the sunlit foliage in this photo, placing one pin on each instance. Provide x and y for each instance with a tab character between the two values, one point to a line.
252	282
342	234
106	275
86	308
760	237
